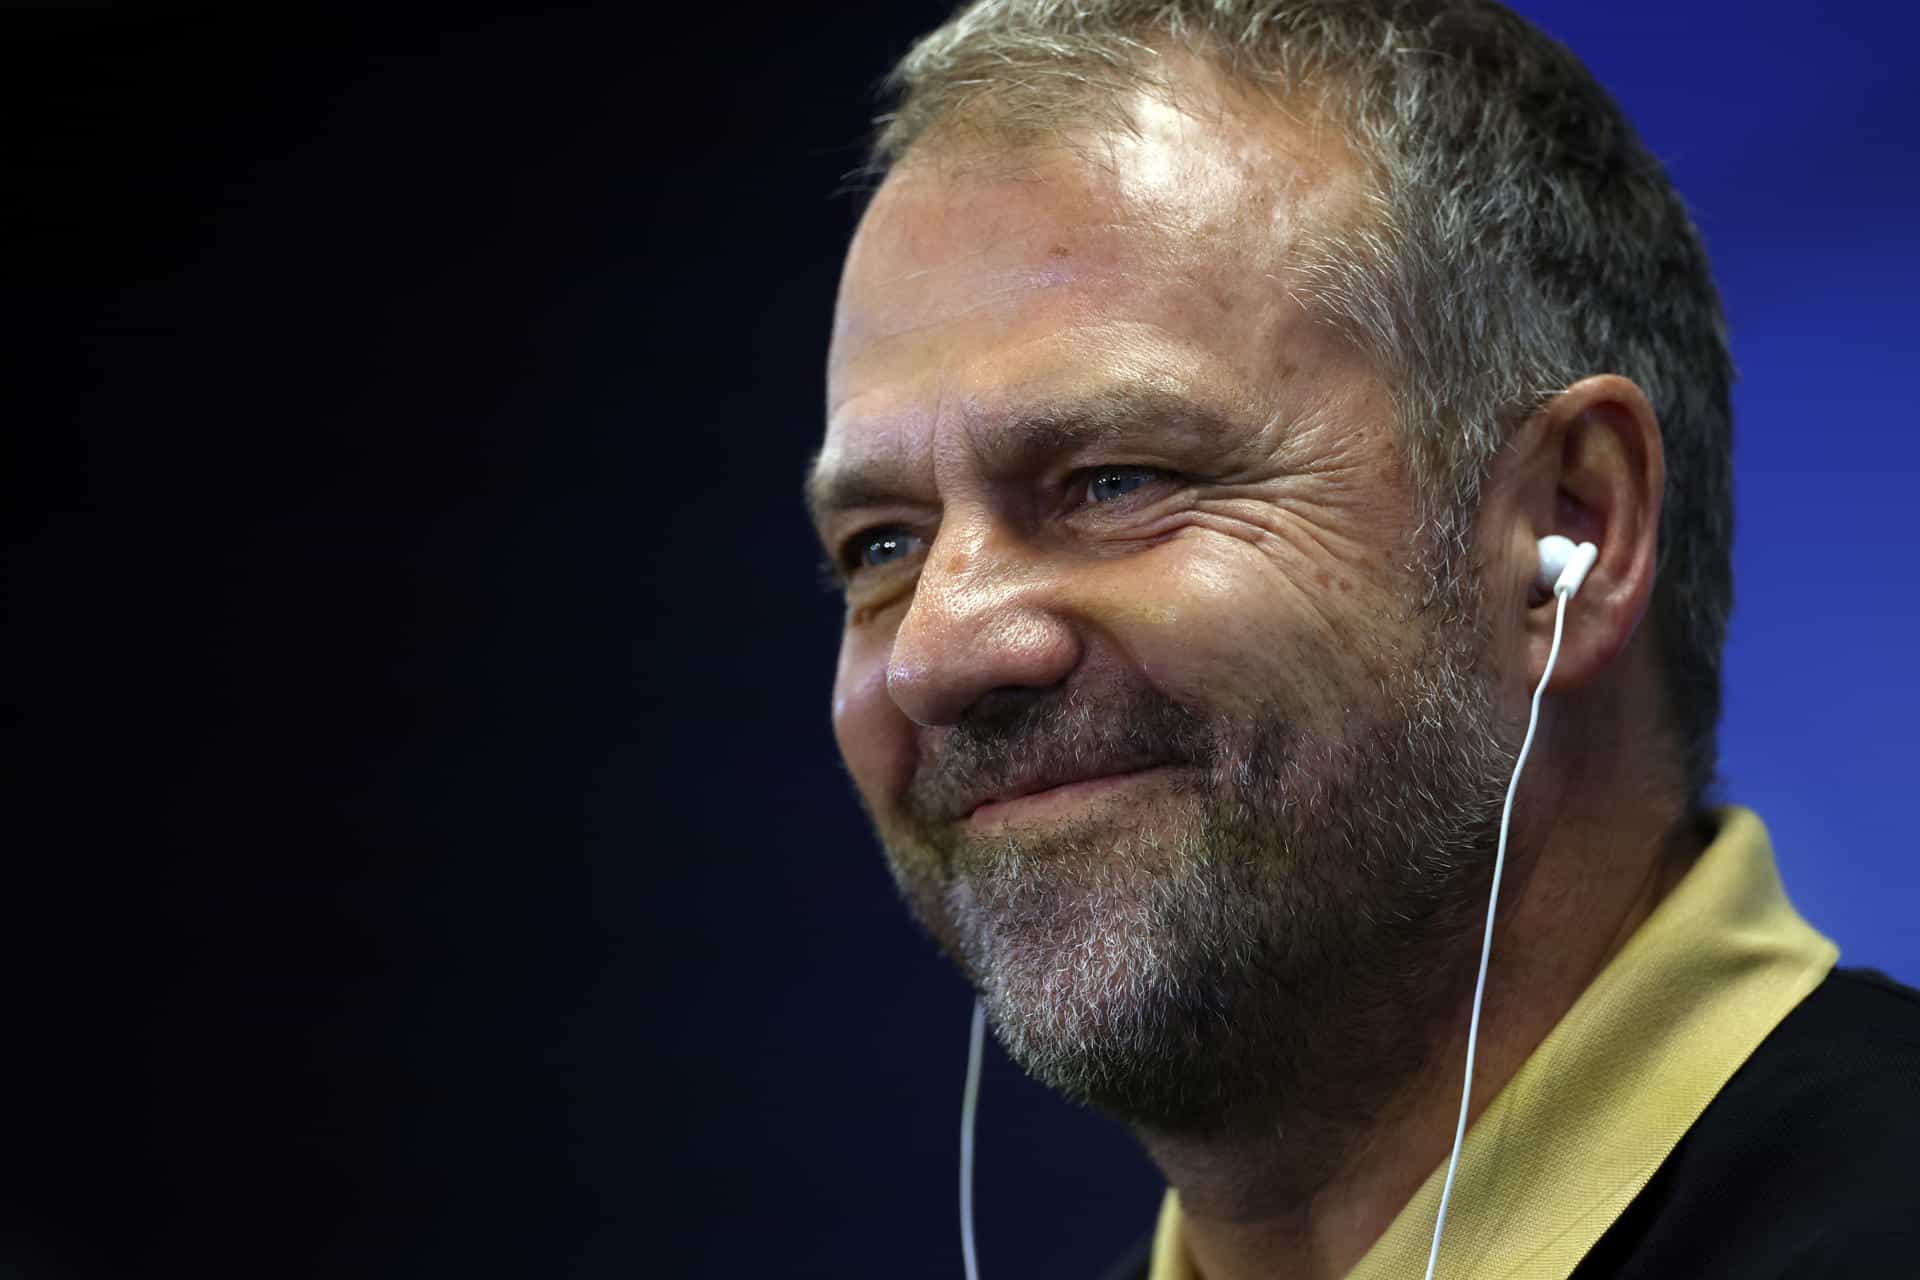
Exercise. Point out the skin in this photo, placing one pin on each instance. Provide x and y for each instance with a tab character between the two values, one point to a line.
1255	532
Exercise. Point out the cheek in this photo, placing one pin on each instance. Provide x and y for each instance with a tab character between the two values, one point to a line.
876	740
1229	629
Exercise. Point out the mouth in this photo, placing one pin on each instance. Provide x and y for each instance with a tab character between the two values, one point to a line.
1044	799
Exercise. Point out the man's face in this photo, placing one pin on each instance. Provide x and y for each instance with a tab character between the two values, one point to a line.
1131	682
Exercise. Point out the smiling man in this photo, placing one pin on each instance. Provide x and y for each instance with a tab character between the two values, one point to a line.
1203	379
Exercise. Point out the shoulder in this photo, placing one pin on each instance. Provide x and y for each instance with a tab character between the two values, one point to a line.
1840	1076
1860	1006
1803	1165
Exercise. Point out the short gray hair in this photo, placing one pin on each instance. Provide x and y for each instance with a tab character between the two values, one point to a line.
1521	238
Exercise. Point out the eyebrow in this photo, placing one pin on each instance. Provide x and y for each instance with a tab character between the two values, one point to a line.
1103	417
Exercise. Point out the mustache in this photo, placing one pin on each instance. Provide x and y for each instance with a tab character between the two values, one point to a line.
1017	740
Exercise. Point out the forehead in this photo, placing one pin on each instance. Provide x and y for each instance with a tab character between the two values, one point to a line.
1162	254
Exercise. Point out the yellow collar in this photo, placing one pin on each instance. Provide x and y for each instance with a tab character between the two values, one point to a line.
1576	1133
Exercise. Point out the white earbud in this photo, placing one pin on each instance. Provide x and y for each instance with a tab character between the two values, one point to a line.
1563	566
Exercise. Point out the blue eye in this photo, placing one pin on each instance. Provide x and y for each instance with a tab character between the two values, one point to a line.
883	547
1116	482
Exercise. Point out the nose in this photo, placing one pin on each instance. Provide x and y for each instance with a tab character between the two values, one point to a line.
985	617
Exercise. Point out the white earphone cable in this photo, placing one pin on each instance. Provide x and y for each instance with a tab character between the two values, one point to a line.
969	1108
1493	901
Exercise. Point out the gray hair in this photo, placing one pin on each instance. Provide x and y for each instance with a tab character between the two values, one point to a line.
1521	238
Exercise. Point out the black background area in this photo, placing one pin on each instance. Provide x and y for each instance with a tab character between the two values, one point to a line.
427	853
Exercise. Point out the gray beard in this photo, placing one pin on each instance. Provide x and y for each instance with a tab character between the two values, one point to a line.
1270	946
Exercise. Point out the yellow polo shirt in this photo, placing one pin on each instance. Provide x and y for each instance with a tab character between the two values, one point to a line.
1574	1136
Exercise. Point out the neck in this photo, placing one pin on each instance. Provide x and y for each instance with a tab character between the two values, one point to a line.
1309	1196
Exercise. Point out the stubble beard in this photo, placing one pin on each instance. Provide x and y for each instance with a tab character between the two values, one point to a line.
1266	943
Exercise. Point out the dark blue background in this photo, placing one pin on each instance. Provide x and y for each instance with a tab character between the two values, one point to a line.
427	850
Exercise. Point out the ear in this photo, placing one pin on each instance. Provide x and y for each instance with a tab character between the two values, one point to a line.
1588	465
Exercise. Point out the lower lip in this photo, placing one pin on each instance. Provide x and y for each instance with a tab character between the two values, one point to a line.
1057	801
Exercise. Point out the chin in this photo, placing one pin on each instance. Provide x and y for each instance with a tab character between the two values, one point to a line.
1095	956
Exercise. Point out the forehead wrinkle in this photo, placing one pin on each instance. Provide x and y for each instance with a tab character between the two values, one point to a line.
1001	290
